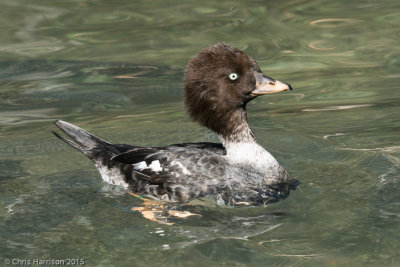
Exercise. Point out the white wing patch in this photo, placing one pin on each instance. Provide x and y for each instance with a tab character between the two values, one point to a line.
154	166
140	166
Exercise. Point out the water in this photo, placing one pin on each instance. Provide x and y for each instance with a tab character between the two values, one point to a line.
115	68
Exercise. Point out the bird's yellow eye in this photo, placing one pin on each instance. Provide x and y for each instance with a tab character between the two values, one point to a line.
233	76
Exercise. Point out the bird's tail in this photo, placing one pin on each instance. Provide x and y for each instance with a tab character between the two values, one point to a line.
99	151
90	145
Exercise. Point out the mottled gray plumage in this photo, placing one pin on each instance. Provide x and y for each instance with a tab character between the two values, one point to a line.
219	82
190	172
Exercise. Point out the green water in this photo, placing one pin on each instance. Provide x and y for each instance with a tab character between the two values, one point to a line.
115	68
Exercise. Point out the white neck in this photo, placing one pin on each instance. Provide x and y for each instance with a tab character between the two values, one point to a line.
243	149
250	153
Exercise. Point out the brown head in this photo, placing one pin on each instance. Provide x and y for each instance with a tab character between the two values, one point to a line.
219	82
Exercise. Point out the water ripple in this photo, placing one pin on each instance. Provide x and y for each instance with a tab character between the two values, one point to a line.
33	48
321	45
336	108
333	22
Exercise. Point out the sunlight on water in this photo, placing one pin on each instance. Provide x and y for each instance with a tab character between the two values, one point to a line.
116	69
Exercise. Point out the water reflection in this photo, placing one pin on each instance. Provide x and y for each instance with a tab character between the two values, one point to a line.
32	44
321	45
333	22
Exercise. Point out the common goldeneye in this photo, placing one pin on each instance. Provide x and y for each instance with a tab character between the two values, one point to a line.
219	82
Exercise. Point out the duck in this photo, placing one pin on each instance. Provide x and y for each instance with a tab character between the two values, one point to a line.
218	83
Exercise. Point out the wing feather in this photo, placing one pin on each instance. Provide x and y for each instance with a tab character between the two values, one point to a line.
175	164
